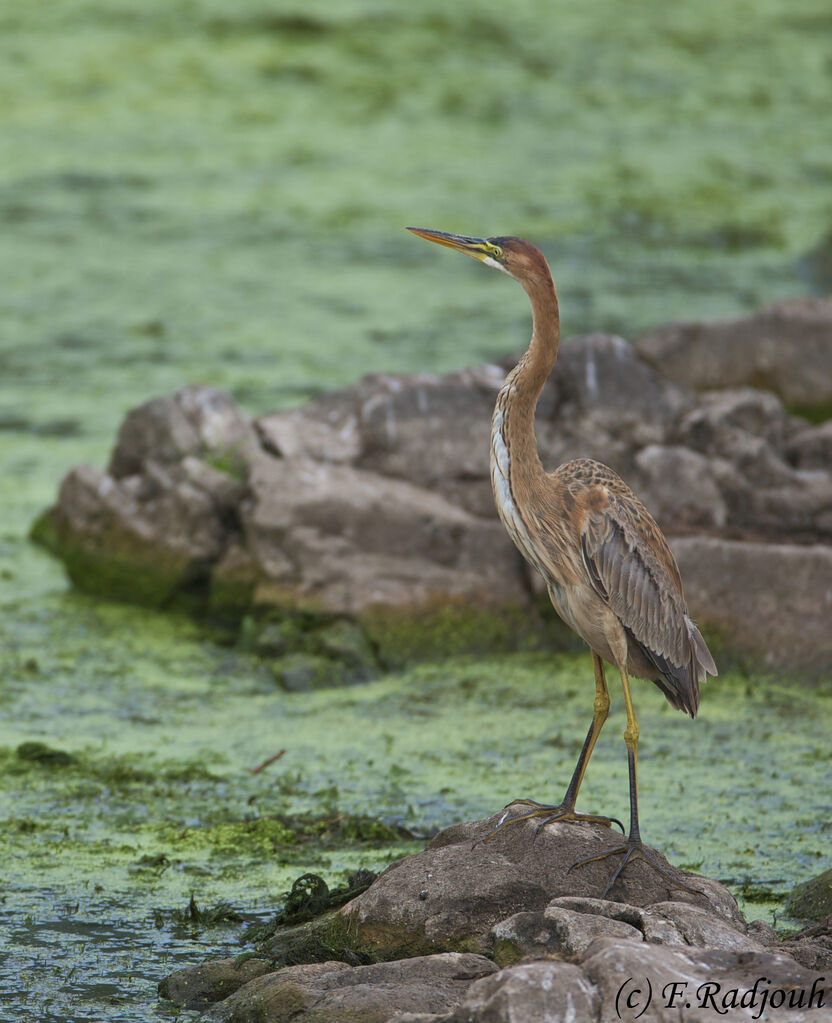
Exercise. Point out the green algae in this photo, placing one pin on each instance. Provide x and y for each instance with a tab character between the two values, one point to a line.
192	193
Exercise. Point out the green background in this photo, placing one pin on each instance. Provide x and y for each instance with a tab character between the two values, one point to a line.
215	193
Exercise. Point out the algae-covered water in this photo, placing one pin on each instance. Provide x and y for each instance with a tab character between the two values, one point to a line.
204	192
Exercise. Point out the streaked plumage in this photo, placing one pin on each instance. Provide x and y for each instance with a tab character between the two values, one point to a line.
609	571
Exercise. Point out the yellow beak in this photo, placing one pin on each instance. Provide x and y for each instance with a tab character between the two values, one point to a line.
479	248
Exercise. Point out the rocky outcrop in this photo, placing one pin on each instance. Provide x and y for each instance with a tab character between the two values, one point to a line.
784	349
374	503
456	892
501	931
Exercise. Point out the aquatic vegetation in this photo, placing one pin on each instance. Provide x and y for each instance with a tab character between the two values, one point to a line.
192	193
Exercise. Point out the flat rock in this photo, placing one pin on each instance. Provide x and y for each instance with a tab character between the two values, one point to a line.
666	983
359	539
556	932
336	993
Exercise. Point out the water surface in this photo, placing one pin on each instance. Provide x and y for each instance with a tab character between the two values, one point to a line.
203	193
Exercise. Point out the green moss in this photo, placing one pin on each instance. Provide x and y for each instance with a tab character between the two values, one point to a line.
812	900
229	462
505	953
309	651
300	673
144	577
43	532
815	414
327	937
448	628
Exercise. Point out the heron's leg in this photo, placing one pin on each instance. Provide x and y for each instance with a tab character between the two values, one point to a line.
633	847
565	811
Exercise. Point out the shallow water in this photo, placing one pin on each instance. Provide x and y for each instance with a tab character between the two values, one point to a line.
191	193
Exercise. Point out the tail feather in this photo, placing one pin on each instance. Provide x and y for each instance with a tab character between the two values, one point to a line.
701	653
680	683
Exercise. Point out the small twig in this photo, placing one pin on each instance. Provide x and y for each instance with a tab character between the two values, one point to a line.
267	761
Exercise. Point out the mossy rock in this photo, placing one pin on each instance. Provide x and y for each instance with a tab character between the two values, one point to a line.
812	900
132	576
451	627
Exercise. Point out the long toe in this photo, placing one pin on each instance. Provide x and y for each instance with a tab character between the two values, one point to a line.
634	849
548	815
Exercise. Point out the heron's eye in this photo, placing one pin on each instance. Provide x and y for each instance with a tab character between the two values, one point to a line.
495	251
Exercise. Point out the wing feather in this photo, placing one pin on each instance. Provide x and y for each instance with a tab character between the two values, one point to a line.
633	570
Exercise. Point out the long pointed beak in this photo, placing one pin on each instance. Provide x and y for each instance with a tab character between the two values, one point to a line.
479	248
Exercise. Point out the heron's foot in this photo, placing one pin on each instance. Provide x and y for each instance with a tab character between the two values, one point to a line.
634	849
548	814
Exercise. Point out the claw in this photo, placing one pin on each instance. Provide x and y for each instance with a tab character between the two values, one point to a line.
549	814
632	849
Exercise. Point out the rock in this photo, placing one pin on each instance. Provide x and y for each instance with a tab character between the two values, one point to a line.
335	538
569	925
812	900
812	947
453	894
605	402
739	589
336	993
811	448
710	983
137	539
784	348
763	932
552	992
155	524
456	913
429	430
702	929
563	933
747	439
197	987
196	421
652	925
373	504
680	487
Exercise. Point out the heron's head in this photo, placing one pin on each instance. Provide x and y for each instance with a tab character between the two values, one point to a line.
517	258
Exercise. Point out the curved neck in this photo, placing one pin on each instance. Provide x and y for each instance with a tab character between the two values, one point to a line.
518	396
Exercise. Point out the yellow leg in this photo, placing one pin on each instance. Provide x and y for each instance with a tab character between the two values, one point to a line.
565	811
631	741
633	847
600	710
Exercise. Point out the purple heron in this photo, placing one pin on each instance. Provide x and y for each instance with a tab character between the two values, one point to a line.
609	571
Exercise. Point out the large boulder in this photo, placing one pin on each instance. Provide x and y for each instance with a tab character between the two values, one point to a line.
772	601
157	522
344	539
454	893
784	348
